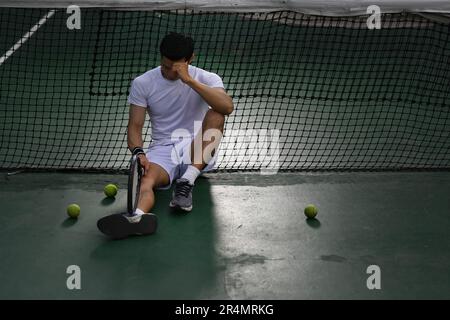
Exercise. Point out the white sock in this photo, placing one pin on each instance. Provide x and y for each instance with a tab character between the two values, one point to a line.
139	212
191	174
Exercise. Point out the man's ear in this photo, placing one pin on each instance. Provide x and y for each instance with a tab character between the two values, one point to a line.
191	58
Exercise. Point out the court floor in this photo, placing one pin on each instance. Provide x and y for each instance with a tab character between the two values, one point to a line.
247	238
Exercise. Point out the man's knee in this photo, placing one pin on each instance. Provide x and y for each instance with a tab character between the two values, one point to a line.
155	178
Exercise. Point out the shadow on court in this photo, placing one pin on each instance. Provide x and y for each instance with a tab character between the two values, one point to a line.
313	223
178	262
38	242
69	222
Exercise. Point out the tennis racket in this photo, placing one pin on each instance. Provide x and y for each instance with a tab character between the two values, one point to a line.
134	184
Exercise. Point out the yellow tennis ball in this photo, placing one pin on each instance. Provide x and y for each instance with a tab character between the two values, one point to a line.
311	211
110	190
73	210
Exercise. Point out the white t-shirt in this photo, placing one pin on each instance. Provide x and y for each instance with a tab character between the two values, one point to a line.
171	105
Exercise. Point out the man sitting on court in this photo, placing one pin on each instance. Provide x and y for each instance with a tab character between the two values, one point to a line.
179	99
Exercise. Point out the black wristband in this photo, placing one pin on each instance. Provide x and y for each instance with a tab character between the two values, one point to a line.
137	150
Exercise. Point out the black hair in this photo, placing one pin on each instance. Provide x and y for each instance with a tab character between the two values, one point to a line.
176	46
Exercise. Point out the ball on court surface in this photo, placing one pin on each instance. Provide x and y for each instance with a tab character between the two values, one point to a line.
110	190
73	211
310	211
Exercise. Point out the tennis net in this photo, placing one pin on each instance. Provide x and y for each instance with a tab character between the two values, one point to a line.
314	92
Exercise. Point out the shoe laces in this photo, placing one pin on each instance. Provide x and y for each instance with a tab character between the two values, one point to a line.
183	189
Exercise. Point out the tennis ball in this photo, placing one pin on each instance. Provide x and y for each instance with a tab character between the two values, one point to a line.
310	211
73	210
110	190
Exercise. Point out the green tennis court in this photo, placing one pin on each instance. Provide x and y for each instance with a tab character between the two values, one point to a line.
247	238
363	125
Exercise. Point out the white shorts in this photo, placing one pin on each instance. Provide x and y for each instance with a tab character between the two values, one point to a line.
174	158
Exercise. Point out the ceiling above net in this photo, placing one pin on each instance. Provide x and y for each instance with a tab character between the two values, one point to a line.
318	7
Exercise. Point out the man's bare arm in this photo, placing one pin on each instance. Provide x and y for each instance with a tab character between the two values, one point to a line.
217	98
134	133
135	124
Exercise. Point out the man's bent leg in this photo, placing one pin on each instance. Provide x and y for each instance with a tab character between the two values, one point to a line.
213	121
201	153
154	178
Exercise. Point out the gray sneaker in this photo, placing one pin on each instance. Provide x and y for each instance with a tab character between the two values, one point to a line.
182	195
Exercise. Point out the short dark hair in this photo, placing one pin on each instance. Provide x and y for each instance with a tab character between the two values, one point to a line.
176	46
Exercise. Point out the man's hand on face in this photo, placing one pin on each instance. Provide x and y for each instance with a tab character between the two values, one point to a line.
182	69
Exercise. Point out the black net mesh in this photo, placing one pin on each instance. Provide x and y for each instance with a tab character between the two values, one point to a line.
333	94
